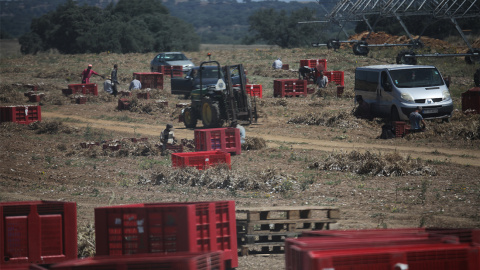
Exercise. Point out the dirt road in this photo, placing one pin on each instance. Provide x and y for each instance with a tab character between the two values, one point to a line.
464	157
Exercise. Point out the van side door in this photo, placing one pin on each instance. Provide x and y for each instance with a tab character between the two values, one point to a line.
384	93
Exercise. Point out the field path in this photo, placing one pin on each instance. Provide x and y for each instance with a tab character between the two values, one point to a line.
459	156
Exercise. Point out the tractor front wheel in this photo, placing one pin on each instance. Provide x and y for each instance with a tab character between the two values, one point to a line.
190	118
211	117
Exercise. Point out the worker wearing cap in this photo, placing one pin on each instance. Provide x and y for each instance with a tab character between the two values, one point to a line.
167	137
415	119
87	73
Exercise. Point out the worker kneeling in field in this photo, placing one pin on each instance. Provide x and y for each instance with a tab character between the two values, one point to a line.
167	137
415	119
363	109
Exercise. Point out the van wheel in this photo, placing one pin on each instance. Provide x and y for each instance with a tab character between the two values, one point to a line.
446	120
394	114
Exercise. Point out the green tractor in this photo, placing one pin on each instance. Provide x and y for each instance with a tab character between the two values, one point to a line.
221	103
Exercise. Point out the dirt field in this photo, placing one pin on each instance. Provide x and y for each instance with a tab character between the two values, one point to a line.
316	152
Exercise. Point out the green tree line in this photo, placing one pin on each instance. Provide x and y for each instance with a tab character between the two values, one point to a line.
128	26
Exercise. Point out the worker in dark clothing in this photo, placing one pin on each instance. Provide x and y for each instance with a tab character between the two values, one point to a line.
87	73
167	137
306	73
363	109
114	80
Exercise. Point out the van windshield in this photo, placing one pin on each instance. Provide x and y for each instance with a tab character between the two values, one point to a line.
416	77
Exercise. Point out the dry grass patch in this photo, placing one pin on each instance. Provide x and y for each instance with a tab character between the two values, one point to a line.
373	164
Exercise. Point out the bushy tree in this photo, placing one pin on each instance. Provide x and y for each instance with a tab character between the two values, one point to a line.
279	28
129	26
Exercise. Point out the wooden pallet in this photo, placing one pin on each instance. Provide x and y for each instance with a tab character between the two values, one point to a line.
264	229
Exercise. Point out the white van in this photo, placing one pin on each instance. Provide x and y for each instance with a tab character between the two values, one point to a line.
396	90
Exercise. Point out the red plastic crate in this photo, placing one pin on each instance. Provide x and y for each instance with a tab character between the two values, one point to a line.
296	250
179	261
176	71
254	90
67	91
471	100
415	257
38	232
21	114
84	88
143	95
123	104
81	100
401	129
313	63
335	76
465	235
200	160
27	266
36	97
150	79
125	93
175	148
225	139
289	87
167	228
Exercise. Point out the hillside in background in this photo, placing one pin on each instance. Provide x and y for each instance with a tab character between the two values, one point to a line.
215	22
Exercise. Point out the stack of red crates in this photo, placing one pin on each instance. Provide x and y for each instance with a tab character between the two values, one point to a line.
289	88
162	228
37	232
84	89
172	71
385	249
337	77
21	114
201	160
172	261
314	63
224	139
150	79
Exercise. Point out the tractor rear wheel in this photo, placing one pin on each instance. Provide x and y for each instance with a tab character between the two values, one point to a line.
361	48
211	117
472	59
190	118
403	59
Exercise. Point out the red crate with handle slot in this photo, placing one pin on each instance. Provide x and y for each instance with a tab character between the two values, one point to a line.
224	139
37	232
200	160
289	88
167	228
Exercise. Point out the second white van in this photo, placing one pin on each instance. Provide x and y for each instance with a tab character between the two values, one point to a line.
394	91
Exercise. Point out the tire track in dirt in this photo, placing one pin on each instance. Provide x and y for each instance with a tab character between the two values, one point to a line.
463	156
